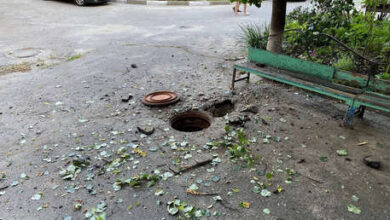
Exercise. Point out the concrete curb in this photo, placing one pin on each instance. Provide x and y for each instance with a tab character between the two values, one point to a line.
171	3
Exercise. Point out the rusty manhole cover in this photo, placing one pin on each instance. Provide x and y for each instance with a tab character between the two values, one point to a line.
191	121
160	98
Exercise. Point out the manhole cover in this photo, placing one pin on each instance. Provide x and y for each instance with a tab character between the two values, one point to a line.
160	98
191	121
25	53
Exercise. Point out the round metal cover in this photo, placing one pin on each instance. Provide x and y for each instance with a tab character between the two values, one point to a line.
160	98
26	52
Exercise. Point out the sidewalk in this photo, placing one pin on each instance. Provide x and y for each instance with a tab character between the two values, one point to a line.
171	3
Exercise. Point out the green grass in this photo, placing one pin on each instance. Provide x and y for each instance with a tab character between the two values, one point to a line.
11	68
345	63
254	36
74	57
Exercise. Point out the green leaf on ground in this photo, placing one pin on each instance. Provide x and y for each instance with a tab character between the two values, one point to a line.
355	198
36	197
256	189
266	211
193	187
245	205
342	152
159	192
265	193
354	209
173	210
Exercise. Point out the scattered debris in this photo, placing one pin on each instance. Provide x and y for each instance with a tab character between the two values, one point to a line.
250	108
362	143
77	206
238	120
127	97
264	121
146	130
372	162
245	204
137	181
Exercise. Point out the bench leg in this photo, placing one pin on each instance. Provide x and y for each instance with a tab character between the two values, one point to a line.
247	80
349	115
233	79
360	111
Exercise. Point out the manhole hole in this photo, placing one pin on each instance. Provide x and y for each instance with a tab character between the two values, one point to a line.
191	121
25	53
221	109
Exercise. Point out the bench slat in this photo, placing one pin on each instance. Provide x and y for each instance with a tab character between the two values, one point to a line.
292	64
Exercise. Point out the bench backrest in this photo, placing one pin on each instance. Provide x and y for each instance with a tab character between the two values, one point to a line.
280	61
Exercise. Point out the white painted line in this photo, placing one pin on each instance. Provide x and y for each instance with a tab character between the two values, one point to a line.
199	3
157	3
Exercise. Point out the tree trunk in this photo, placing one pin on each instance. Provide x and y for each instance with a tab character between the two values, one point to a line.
278	21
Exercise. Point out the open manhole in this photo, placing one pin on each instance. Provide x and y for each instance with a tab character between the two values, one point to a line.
221	109
191	121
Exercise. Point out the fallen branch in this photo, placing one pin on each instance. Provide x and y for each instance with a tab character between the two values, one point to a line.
3	187
186	169
265	170
234	59
228	207
196	193
174	171
311	178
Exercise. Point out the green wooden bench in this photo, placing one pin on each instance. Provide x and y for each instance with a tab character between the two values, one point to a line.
356	90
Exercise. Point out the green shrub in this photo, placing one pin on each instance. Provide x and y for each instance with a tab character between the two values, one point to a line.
385	76
255	36
306	30
345	63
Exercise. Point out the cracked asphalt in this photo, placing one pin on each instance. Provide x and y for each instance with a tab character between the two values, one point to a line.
63	105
